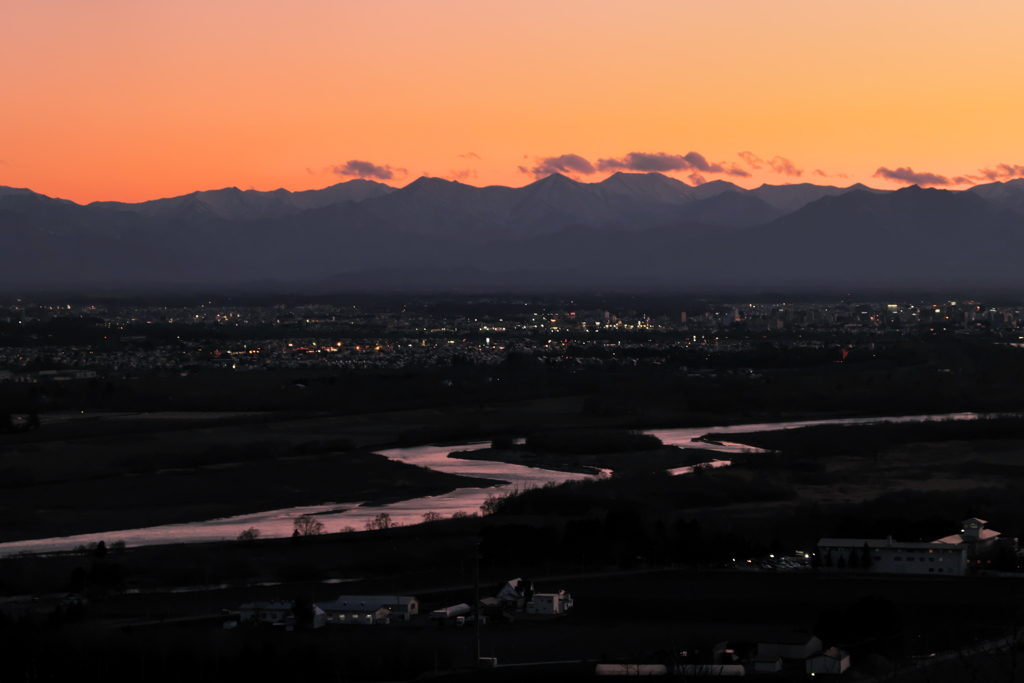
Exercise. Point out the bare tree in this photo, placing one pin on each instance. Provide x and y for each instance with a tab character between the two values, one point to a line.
432	516
493	503
250	534
381	522
307	525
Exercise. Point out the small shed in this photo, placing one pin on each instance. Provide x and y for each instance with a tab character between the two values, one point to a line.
264	612
790	645
831	661
549	603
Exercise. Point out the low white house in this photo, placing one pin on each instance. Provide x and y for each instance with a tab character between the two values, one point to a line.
549	603
366	616
353	609
831	661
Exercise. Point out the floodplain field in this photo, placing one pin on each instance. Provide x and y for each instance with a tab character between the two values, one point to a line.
82	473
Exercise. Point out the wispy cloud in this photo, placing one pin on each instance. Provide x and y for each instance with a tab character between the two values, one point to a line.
905	174
996	173
470	155
660	162
755	162
461	175
697	179
777	164
819	172
1000	172
736	171
785	167
570	164
355	168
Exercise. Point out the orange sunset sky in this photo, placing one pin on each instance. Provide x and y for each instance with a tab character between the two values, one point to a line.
132	100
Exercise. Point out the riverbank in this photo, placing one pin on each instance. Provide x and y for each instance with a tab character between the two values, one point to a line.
227	489
96	473
110	476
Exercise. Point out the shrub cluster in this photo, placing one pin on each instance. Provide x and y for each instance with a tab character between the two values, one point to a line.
590	441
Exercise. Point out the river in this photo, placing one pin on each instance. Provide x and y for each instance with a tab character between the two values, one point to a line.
338	516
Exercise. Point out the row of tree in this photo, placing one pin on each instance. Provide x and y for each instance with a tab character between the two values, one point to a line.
854	559
308	525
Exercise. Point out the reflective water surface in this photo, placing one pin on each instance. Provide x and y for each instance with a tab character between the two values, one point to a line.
338	516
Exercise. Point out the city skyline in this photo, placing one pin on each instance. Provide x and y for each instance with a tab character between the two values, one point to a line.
132	102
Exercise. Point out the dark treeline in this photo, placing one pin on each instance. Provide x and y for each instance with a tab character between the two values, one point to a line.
625	521
857	440
580	442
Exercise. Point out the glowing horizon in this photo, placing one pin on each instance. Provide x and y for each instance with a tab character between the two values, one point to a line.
116	100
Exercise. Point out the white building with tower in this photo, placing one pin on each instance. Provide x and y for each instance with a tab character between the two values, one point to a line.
947	556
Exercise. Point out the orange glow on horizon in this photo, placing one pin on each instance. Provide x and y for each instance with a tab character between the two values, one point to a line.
128	101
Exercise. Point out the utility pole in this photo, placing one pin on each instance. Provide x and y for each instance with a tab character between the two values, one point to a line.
476	555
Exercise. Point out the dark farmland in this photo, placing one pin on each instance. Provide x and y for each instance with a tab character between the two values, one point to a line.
626	617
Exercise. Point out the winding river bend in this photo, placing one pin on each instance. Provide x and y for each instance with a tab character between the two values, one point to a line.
338	516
